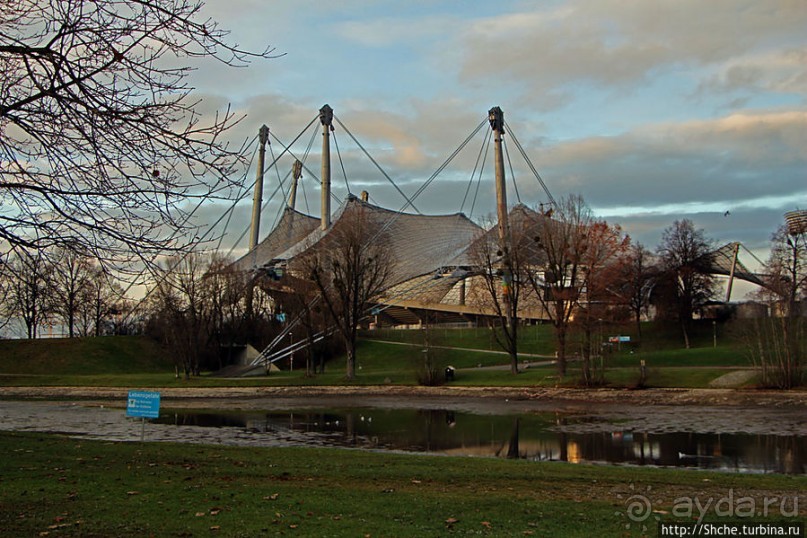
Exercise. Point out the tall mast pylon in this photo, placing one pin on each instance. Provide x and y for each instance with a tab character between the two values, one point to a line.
296	174
257	199
326	119
496	119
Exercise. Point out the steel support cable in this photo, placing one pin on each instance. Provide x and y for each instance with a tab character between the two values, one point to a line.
409	202
238	197
277	171
216	223
282	206
244	233
288	351
512	173
304	159
341	163
486	145
406	293
293	348
431	178
274	161
267	356
448	160
277	339
390	221
760	262
529	163
473	174
434	176
148	264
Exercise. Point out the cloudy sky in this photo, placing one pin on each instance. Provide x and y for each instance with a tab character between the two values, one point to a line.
652	111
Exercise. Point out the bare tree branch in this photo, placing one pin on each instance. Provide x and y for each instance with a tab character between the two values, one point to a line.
100	140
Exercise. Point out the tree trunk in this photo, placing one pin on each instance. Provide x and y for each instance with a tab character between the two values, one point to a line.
561	338
350	370
587	377
686	334
512	336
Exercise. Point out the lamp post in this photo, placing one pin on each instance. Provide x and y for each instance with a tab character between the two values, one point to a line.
291	353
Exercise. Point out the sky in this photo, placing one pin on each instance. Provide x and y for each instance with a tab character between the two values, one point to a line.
651	111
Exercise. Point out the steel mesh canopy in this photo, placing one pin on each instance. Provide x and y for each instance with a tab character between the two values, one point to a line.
722	259
292	228
421	244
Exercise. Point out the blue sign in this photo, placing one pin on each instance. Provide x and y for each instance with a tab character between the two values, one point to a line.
143	404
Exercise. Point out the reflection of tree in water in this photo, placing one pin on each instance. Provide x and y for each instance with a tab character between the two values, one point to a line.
512	451
511	436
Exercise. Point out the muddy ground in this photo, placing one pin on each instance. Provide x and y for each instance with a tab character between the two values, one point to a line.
483	397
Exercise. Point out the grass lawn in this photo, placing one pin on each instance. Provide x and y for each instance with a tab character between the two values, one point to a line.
137	362
83	356
128	361
56	486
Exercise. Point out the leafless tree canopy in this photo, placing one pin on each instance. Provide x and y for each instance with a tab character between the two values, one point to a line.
348	268
686	283
100	139
777	344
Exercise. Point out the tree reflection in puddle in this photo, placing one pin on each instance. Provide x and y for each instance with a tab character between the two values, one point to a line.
532	436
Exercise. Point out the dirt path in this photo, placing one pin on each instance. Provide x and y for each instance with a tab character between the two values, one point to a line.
243	395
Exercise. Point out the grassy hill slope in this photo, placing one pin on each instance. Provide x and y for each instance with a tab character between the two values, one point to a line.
83	356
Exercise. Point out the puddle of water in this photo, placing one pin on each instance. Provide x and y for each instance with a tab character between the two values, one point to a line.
533	436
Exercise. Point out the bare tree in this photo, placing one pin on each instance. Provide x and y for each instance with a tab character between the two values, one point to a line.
637	281
29	289
300	299
506	278
778	342
685	281
562	240
349	267
98	301
603	257
227	292
71	279
183	311
100	138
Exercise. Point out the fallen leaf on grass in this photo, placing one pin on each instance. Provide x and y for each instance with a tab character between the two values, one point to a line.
200	514
215	527
486	524
132	493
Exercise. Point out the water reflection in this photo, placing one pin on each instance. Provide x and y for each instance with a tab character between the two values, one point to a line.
538	436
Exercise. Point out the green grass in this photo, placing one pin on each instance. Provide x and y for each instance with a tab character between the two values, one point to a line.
83	356
378	363
140	362
56	486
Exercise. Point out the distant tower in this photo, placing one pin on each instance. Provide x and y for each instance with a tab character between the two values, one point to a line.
796	221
